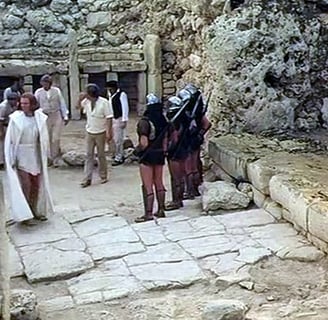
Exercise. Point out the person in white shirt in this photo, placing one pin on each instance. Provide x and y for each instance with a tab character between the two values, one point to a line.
52	103
99	130
26	149
119	103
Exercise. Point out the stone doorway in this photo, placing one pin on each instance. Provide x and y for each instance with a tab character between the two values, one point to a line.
128	82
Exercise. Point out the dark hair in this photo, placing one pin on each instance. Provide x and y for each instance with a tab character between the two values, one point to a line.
32	99
93	90
13	96
112	84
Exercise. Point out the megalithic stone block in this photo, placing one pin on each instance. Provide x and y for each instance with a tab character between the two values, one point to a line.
153	58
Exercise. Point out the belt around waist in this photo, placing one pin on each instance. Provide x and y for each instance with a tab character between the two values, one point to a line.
49	112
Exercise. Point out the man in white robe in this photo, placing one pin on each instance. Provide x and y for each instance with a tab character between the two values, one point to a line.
25	159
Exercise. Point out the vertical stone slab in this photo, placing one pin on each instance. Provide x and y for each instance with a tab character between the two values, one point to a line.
74	75
63	84
142	92
84	79
4	261
153	58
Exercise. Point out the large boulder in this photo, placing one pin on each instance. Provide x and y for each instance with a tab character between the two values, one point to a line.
224	310
222	195
74	158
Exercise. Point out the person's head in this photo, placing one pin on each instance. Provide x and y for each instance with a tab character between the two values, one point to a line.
112	86
18	82
92	91
28	103
13	99
46	81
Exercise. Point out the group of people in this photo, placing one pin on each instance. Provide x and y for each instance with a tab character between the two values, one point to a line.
31	125
177	136
30	130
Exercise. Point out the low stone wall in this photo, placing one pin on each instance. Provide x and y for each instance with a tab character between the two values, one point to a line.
288	180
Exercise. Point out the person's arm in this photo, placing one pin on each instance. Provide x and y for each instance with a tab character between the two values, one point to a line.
125	109
79	104
6	93
63	107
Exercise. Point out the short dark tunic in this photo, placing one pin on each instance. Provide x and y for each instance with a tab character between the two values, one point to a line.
154	126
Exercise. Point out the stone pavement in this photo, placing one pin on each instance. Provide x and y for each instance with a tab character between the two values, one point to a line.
101	257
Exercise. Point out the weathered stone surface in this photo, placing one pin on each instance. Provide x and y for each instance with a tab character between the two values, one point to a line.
99	20
99	225
44	20
12	22
249	218
23	305
149	234
76	214
57	304
113	280
207	246
74	158
168	275
16	268
283	191
304	252
252	255
55	229
50	262
222	195
224	310
61	6
164	252
318	220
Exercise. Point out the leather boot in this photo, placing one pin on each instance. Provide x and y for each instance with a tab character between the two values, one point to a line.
176	203
160	196
148	207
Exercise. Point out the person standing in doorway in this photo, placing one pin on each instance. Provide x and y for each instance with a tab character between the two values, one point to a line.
7	107
17	87
26	149
99	130
119	103
52	103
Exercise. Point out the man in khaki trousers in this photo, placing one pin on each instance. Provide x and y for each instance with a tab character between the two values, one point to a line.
99	130
52	103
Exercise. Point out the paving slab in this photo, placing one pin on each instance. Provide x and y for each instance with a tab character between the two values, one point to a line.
164	252
82	215
207	246
55	229
242	219
158	276
51	263
97	225
110	281
16	267
57	304
150	235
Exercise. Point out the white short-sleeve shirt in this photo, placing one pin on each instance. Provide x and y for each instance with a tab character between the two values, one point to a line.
97	118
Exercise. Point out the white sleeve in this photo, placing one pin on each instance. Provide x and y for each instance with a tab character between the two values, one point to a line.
6	93
109	109
63	107
125	106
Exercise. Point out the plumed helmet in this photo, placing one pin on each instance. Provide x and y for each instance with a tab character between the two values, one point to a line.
152	99
184	95
191	88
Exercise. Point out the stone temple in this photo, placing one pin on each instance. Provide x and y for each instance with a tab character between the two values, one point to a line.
264	64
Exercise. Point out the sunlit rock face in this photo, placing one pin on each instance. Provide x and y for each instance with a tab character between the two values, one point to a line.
268	64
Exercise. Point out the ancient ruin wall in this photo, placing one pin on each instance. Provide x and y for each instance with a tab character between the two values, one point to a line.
265	62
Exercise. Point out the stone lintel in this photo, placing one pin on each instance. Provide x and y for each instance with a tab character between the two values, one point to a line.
128	66
104	56
95	67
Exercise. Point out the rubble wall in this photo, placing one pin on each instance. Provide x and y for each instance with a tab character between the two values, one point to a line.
264	61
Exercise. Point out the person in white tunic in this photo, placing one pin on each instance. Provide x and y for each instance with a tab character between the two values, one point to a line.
26	152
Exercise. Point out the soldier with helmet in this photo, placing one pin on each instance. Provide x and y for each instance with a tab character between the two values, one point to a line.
151	150
178	150
198	125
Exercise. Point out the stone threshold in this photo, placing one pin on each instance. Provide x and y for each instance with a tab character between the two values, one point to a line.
288	181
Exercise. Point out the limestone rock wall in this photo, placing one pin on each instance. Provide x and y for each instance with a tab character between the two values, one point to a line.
268	64
265	62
